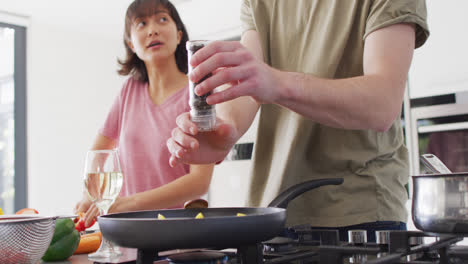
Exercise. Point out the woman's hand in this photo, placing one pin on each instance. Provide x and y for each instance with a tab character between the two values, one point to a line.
232	63
188	146
93	211
89	208
90	215
83	205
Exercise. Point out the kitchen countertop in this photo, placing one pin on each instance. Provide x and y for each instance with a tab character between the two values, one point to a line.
129	254
128	257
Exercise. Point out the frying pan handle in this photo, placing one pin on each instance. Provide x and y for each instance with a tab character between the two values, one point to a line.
289	194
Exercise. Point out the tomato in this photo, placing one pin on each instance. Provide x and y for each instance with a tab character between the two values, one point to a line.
80	215
80	224
27	211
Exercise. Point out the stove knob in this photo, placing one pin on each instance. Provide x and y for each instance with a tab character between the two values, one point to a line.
382	237
357	236
416	241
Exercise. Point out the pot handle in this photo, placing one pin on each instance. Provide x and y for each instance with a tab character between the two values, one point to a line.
289	194
434	164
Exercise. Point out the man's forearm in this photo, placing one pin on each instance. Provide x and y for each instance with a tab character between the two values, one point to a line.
240	113
371	101
364	102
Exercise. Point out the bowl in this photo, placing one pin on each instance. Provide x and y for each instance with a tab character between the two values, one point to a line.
25	238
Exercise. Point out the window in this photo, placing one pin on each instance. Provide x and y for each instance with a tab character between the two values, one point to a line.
13	187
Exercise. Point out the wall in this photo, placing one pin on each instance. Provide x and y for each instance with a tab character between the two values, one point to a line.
440	66
211	19
71	81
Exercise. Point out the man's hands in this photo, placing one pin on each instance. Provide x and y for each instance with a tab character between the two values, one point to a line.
232	63
188	146
244	81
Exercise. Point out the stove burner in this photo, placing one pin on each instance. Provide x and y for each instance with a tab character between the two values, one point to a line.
198	257
281	245
306	245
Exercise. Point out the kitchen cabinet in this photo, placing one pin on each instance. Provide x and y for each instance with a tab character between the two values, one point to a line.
441	65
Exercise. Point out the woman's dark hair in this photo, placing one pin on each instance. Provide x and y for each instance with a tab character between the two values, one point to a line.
133	65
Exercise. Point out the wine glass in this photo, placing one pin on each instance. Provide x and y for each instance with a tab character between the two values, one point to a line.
103	181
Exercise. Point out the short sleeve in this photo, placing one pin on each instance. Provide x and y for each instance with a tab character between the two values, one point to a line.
385	13
111	127
246	16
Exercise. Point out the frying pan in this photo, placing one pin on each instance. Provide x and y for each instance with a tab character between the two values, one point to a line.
220	227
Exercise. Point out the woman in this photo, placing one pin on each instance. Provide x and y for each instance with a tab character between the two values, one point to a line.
143	115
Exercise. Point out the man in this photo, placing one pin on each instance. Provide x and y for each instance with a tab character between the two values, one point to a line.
329	78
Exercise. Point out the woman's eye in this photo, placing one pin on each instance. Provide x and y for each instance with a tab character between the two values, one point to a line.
141	24
163	19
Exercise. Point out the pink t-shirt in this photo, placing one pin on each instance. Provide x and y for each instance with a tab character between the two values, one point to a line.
141	129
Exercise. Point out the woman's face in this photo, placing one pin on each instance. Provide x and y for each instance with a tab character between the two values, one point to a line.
154	38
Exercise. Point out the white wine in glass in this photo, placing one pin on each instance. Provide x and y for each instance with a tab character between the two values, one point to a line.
103	181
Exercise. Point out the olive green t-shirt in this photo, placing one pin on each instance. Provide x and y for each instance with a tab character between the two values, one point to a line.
326	38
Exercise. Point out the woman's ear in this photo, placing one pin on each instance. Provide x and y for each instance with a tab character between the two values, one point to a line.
130	45
179	36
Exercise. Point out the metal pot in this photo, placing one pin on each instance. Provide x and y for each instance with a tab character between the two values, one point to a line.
440	203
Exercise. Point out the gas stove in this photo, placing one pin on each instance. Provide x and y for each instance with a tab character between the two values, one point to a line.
303	244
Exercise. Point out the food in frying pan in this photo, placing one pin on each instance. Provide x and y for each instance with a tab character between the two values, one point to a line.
199	216
161	217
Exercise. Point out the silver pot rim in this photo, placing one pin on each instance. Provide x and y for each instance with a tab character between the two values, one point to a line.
455	174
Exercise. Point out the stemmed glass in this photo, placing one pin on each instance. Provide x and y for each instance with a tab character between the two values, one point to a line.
103	181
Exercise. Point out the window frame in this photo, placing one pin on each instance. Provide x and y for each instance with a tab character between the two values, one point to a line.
20	115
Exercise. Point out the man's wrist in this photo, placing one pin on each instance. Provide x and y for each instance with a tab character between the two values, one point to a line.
284	82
